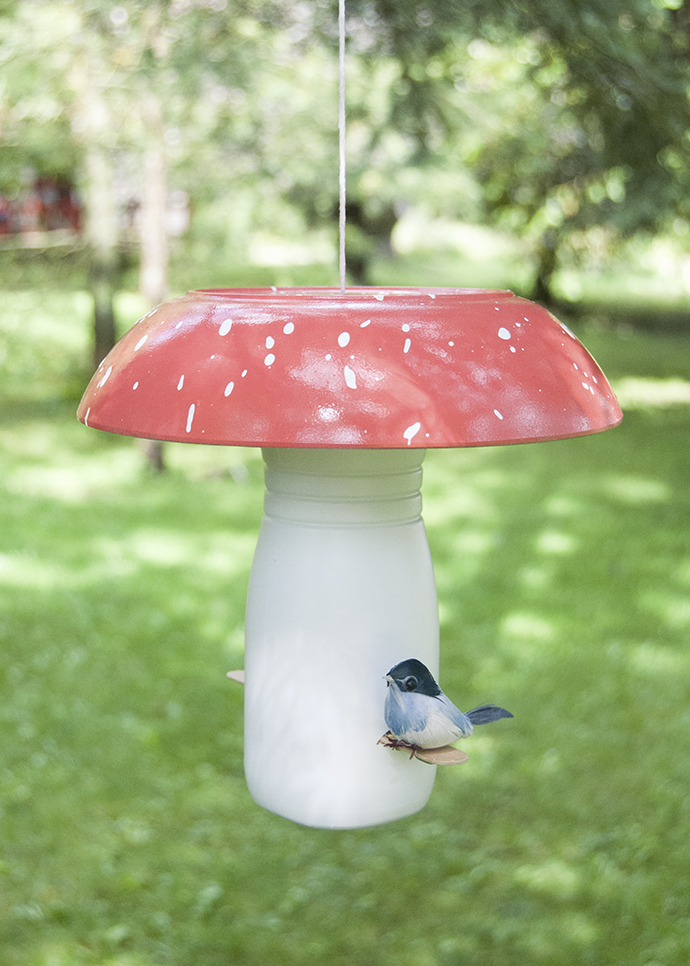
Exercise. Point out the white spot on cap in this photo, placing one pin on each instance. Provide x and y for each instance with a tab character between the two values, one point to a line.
135	386
343	339
86	418
270	341
412	431
451	343
350	378
140	343
406	347
270	359
105	377
244	372
513	349
225	327
180	383
228	389
431	296
328	357
363	325
499	415
190	417
289	328
503	333
406	327
379	296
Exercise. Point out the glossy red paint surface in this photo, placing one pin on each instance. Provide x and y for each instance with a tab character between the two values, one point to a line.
380	368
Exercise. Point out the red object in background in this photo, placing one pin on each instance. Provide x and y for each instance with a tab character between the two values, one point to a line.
373	367
6	216
51	204
58	206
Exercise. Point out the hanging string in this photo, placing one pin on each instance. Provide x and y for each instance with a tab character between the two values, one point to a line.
341	133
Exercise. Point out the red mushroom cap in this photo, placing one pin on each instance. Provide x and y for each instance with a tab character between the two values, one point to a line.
376	368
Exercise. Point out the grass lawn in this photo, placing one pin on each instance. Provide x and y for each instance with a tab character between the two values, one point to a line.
127	835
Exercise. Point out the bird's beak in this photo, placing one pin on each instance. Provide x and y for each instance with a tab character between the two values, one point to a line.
388	679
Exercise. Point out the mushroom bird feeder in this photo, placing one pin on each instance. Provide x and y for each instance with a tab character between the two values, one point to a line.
344	391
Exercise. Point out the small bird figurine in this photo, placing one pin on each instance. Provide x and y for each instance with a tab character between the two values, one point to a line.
420	716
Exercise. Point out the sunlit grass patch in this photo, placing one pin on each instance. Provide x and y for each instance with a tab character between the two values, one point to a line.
635	392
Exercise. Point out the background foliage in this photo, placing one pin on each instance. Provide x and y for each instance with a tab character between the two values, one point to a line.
564	124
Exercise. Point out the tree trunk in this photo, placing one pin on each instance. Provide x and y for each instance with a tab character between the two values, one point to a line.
547	261
101	226
367	236
153	271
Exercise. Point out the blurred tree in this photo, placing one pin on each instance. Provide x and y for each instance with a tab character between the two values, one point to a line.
390	163
577	114
35	133
163	59
601	139
59	119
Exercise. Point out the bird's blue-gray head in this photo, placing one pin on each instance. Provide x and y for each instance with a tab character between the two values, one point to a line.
412	675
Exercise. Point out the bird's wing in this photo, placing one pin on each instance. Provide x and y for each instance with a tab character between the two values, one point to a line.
461	721
486	713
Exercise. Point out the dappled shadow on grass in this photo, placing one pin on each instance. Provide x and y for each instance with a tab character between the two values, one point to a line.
128	833
565	585
121	606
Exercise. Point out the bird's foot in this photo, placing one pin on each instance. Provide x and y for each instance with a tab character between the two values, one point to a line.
390	741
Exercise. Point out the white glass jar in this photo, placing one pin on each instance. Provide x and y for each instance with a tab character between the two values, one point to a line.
341	589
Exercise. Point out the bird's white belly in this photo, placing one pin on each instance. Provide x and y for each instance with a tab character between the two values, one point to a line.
438	730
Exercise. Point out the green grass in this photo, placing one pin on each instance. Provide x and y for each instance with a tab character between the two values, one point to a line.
127	835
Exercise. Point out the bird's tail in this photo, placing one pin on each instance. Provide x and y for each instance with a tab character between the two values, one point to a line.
486	713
